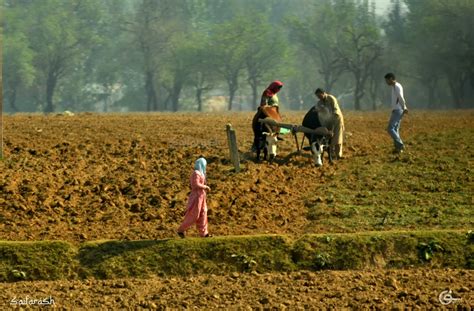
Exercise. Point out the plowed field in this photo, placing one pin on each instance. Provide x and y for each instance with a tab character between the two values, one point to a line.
89	177
94	177
378	289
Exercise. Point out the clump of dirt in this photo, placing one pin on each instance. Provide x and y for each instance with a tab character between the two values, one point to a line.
90	177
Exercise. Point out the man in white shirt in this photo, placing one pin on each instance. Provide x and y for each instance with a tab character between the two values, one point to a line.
399	108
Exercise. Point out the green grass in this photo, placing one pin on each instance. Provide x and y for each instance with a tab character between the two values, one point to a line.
384	250
428	187
52	260
189	256
41	260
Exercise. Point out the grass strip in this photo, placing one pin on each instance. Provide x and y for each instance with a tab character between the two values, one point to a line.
52	260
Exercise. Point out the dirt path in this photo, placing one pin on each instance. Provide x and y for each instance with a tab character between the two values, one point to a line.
381	289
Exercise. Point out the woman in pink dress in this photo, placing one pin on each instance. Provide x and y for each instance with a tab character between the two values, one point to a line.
196	211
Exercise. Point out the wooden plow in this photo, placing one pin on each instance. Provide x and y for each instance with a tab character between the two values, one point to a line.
294	128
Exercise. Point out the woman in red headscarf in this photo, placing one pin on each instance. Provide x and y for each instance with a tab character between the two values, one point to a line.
270	98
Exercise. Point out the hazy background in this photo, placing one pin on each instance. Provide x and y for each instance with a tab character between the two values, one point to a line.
217	55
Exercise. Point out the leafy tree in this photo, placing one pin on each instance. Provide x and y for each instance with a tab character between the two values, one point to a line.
395	25
317	35
396	38
265	50
178	67
59	32
229	53
156	25
150	37
444	29
359	45
107	62
18	71
202	75
300	86
169	53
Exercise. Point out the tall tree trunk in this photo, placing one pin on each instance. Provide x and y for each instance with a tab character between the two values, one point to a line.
327	83
373	89
199	98
253	85
106	103
231	99
12	99
166	103
454	94
151	98
232	90
357	102
50	88
328	79
201	87
176	91
431	88
357	92
456	85
329	71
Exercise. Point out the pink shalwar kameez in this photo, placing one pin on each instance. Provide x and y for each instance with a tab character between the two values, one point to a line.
196	211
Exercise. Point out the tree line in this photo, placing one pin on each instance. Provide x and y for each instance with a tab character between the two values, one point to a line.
171	55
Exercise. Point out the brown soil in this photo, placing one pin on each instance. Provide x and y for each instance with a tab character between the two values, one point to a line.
379	289
90	177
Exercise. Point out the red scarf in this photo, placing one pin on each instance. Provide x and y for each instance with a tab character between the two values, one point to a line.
273	88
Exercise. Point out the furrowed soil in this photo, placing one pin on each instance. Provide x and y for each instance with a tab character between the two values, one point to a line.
341	290
126	177
94	177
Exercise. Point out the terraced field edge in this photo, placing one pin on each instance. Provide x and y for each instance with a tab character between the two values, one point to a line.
53	260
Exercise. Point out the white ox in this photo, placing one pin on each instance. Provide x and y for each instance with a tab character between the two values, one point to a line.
271	144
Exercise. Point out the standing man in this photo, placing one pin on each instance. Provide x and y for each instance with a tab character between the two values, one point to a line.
330	116
399	108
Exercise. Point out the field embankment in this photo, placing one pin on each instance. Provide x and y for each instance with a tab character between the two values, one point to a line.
54	260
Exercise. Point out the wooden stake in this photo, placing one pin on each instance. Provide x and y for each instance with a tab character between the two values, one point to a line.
233	149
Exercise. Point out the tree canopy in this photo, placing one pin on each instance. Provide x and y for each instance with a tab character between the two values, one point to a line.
170	55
